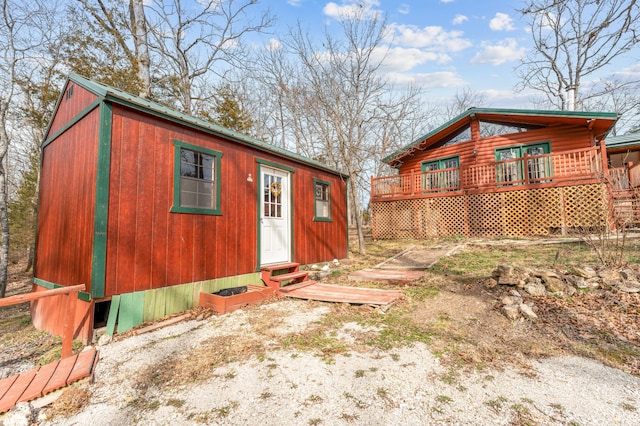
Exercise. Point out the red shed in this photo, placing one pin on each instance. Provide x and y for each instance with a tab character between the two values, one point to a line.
145	203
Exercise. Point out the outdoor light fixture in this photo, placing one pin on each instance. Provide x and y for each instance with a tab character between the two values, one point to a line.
249	178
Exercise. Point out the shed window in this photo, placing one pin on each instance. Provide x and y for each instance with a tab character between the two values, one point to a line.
196	180
322	200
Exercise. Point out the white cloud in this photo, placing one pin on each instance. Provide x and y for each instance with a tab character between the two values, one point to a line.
497	54
294	3
405	59
447	1
501	22
434	80
273	45
352	9
459	19
431	37
404	9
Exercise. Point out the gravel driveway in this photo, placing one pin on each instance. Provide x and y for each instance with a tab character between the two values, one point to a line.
402	386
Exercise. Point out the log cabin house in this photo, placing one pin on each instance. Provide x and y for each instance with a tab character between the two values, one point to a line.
503	172
150	206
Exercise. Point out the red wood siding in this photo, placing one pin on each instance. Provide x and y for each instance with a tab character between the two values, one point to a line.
317	241
67	204
149	247
70	107
49	313
560	138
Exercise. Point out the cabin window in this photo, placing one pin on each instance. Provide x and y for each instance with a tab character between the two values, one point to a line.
441	174
196	179
322	199
512	170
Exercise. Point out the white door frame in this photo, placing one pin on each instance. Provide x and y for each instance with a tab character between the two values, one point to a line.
274	215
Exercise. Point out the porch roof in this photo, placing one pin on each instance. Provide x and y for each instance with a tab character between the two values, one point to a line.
628	142
599	122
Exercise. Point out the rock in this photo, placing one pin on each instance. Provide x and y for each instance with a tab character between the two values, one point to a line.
314	266
527	311
511	312
584	272
336	262
593	283
521	284
508	300
627	274
553	285
502	270
533	280
508	275
104	340
609	283
577	281
536	289
546	274
491	283
629	287
515	294
609	275
569	290
22	414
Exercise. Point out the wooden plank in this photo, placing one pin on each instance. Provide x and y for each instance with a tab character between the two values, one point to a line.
16	390
83	365
114	309
39	382
60	376
149	305
343	294
5	385
131	311
160	304
20	298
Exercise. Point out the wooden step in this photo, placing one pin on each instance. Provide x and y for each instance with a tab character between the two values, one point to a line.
290	276
292	287
281	266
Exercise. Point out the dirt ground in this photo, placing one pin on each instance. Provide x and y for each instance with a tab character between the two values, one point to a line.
458	312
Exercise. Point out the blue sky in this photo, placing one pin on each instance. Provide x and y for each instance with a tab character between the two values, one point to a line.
443	45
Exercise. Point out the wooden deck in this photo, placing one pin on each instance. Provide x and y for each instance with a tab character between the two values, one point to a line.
35	383
343	294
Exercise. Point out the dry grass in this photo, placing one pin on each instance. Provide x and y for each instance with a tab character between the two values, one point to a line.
72	400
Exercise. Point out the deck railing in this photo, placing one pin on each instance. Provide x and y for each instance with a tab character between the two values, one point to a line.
634	176
528	170
619	178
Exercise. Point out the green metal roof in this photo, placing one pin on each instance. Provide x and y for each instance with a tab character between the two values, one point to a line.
511	115
623	141
123	98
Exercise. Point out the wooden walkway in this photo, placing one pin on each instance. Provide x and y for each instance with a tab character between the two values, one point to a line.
342	294
42	380
386	275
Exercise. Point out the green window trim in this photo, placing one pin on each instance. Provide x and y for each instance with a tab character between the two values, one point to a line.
448	180
537	170
217	156
322	200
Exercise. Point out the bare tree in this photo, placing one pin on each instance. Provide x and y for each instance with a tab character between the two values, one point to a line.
20	36
139	25
573	39
195	44
346	104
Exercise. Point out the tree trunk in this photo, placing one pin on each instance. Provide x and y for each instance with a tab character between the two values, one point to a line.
353	194
4	216
142	46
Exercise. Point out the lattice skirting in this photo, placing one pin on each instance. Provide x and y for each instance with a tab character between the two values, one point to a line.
533	212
